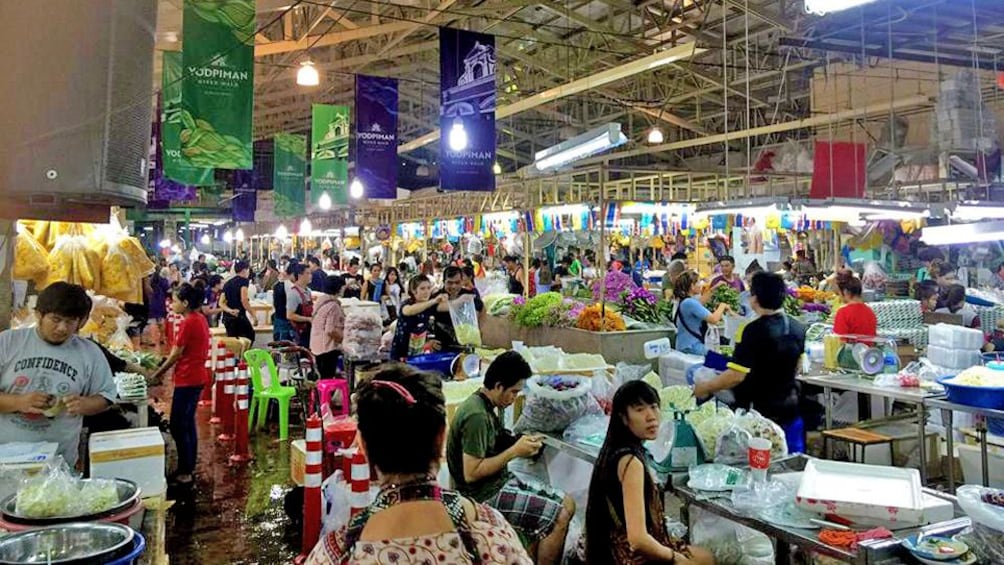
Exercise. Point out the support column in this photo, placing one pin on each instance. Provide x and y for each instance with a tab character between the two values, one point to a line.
8	236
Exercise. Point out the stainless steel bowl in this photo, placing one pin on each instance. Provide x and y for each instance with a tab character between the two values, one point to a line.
92	543
128	495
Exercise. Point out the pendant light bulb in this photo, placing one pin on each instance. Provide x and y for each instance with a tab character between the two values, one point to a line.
228	236
281	232
496	168
239	234
324	202
204	239
655	136
306	227
356	188
307	75
458	136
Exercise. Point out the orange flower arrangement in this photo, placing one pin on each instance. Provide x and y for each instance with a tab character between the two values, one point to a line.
591	319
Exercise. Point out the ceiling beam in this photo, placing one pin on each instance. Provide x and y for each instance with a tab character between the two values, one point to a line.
594	81
427	20
332	38
882	108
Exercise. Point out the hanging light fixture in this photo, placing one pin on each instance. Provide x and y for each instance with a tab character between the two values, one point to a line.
458	135
204	239
239	234
308	75
496	168
324	202
281	232
655	136
228	237
356	188
306	227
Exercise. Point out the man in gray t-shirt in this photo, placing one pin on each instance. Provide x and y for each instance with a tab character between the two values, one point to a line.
49	377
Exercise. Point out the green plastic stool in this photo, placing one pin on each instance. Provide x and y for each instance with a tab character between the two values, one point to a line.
256	359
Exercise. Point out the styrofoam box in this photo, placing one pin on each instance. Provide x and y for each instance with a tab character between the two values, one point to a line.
675	364
954	358
136	455
955	337
297	461
972	469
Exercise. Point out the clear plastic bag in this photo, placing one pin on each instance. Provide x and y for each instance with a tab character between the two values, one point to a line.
589	430
52	492
554	402
758	496
603	389
336	507
464	316
625	372
120	340
729	542
363	332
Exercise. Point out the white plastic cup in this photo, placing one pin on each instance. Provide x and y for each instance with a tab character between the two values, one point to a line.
759	458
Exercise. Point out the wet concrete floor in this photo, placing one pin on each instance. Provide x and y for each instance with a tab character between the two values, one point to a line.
235	515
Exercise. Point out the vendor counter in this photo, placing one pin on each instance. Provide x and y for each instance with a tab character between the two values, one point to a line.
615	347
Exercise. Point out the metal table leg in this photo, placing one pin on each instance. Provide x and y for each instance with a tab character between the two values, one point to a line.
947	417
922	429
827	446
981	431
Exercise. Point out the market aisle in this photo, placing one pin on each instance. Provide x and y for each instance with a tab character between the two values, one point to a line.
234	516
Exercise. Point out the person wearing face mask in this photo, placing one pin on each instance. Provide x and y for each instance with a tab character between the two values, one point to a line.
625	516
50	378
479	448
762	371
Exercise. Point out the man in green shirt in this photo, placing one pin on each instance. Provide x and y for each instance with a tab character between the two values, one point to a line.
479	448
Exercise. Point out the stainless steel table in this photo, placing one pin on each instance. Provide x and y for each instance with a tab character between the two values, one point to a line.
581	451
873	552
865	385
947	408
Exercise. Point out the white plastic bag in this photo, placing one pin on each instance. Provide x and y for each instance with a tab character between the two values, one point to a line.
732	325
336	503
120	340
729	542
464	316
987	539
713	339
363	332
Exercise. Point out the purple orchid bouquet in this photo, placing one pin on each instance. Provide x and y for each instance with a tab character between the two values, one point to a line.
564	315
617	282
640	304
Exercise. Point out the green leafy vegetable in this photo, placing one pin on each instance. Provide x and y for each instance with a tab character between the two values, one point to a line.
724	294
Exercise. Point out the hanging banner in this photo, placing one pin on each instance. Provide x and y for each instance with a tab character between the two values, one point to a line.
260	176
329	153
245	200
161	191
376	136
289	174
174	166
467	110
217	95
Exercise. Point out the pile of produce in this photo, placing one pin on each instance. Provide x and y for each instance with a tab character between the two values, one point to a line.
31	260
642	305
144	359
726	435
498	304
130	386
594	319
565	314
724	294
531	313
809	294
677	397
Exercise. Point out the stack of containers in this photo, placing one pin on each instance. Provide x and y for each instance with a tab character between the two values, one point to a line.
673	367
954	348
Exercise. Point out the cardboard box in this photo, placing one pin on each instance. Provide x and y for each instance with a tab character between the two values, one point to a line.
297	461
136	455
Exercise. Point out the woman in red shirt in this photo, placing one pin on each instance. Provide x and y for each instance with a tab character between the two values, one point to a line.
854	318
188	357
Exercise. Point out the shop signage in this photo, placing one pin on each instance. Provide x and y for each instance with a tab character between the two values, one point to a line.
376	136
217	97
289	174
467	110
329	153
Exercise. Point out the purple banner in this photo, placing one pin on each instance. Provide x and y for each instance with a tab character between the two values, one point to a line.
259	176
376	136
162	190
244	204
467	110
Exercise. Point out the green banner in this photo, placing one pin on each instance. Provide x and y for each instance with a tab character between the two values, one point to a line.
176	167
218	90
329	153
289	175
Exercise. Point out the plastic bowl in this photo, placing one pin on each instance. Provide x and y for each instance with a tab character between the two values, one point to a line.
979	396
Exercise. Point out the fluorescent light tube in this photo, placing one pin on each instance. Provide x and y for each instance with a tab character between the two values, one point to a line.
977	211
823	7
590	143
963	233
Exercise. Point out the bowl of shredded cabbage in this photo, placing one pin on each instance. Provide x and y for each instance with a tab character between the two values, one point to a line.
976	386
43	502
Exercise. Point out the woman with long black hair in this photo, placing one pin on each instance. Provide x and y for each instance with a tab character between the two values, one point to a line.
625	518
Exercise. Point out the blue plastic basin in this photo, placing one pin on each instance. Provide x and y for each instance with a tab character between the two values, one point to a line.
979	396
434	362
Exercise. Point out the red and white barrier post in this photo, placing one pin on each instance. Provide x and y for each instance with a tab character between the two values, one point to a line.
360	482
206	398
312	484
218	376
227	402
241	453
